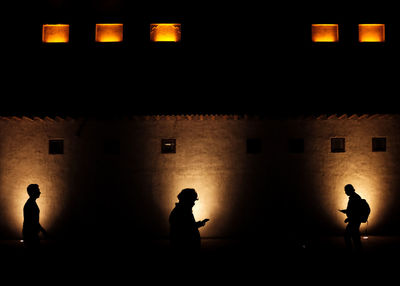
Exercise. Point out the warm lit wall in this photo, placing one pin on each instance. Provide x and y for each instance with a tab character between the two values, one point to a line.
25	160
373	174
134	192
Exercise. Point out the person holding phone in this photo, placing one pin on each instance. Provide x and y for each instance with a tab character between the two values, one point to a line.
184	229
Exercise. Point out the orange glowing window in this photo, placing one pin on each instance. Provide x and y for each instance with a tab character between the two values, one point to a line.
163	32
325	32
55	33
371	32
110	33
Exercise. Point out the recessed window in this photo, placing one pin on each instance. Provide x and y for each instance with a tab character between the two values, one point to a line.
168	146
337	145
110	33
55	33
56	146
371	33
165	32
296	145
325	32
254	145
112	147
379	144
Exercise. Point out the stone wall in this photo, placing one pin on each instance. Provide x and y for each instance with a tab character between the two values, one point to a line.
88	191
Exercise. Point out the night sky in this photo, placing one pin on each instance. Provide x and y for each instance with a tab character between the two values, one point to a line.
233	58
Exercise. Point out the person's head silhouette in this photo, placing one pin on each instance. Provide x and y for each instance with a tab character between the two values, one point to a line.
349	189
188	196
33	191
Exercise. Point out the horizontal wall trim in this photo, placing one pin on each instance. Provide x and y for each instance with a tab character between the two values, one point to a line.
200	117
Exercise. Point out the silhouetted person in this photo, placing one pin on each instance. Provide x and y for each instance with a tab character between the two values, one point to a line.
353	220
184	233
31	226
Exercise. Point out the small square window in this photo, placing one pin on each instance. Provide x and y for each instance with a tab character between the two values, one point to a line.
112	147
56	146
325	32
379	144
165	32
254	145
296	145
168	146
371	33
109	33
55	33
337	145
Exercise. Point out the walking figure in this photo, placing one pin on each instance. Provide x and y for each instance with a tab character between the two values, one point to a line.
31	226
184	229
356	214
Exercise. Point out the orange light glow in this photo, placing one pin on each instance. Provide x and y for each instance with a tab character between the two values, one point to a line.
367	183
325	32
109	33
14	203
371	32
208	205
55	33
162	32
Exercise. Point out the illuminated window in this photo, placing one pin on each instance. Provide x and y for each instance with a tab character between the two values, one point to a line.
379	144
325	32
109	33
112	147
56	146
55	33
371	33
296	145
254	145
165	32
337	145
168	146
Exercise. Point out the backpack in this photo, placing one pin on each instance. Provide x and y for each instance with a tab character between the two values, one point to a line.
365	210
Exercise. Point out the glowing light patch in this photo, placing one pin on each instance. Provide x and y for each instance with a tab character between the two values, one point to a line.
109	33
325	32
371	32
163	32
55	33
369	188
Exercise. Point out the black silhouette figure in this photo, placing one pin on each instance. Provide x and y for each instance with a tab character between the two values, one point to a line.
31	226
184	230
353	220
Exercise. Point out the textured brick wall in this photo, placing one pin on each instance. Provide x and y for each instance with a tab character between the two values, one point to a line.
88	192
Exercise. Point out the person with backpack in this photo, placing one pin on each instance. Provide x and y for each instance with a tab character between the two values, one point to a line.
357	211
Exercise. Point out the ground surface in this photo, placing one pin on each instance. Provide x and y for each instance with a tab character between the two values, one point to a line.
221	261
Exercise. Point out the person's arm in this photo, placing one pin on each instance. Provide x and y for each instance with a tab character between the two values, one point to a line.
42	230
202	222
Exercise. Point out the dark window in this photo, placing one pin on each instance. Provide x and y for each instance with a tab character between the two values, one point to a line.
337	145
379	144
112	147
254	145
168	146
56	146
296	145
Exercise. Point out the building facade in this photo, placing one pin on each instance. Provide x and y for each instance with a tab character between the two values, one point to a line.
119	177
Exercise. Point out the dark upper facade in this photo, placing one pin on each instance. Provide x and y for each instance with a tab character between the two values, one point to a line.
240	59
